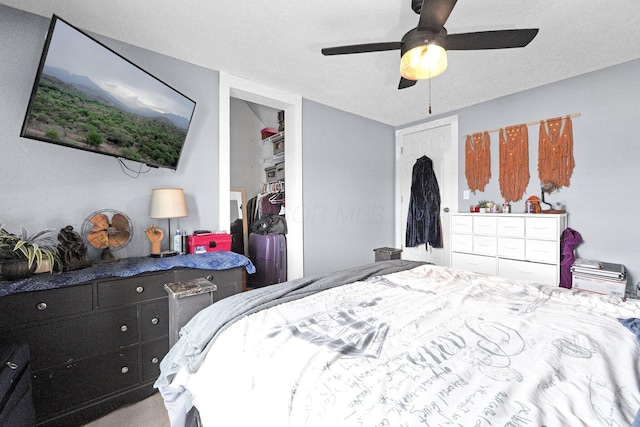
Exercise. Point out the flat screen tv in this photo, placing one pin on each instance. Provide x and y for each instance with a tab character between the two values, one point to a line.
87	96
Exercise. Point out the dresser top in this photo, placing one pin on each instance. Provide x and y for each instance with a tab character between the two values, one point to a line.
127	267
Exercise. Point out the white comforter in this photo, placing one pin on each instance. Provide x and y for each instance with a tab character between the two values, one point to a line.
431	346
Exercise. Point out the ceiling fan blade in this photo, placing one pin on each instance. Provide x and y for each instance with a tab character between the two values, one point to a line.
434	13
361	48
500	39
405	83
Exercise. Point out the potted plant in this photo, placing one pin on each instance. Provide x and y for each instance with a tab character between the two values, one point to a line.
21	255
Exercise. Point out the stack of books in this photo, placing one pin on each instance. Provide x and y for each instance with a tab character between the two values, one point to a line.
600	277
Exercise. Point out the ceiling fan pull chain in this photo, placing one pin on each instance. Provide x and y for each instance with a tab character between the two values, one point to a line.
429	96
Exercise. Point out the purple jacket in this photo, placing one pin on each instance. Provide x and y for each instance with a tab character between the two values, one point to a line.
568	241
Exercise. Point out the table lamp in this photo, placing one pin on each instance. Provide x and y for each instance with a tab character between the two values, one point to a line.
167	203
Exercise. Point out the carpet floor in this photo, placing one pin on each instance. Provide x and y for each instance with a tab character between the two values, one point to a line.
146	413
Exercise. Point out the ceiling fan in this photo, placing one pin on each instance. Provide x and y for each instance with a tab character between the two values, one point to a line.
423	49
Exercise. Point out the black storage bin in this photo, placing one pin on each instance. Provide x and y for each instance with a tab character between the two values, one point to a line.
384	254
16	402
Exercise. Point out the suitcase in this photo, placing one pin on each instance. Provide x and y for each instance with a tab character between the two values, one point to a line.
16	402
268	252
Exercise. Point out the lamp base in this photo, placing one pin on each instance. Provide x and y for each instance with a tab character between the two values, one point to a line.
164	254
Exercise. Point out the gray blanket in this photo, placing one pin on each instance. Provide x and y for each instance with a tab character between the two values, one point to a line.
197	337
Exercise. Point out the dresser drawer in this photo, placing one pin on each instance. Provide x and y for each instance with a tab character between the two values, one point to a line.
78	381
542	228
152	354
485	225
461	224
131	290
509	247
509	226
485	245
462	242
476	263
155	319
42	305
184	274
543	251
76	338
539	273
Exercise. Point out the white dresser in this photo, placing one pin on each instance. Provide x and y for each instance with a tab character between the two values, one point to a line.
520	246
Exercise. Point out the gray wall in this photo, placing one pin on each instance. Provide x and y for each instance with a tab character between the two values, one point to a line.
246	149
348	179
348	162
603	200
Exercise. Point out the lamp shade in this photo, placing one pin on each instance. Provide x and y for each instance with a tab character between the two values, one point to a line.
168	203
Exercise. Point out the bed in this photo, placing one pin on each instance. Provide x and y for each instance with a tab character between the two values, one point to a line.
401	343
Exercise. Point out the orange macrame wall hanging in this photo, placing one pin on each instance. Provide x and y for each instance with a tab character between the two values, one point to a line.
555	151
478	160
514	162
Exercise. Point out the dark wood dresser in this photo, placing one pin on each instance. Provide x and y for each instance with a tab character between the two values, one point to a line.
97	345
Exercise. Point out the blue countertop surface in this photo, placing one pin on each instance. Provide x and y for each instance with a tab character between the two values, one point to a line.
126	267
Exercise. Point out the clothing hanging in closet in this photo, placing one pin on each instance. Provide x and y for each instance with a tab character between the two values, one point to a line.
270	201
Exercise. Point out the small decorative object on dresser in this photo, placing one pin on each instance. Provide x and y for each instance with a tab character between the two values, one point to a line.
549	187
168	203
73	251
107	230
22	255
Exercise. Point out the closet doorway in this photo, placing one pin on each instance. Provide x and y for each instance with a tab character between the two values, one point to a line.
234	89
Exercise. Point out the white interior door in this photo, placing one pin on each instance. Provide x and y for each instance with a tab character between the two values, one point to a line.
438	141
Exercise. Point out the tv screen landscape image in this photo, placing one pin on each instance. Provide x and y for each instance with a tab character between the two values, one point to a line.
87	96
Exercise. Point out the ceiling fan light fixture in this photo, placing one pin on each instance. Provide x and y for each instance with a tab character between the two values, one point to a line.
423	62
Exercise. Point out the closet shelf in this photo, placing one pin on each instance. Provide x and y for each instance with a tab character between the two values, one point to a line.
274	158
273	138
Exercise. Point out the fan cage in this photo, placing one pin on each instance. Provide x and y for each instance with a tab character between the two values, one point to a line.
87	228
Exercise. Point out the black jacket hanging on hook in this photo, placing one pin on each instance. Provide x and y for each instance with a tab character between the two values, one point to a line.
423	219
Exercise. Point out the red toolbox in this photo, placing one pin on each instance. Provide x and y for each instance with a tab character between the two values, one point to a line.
208	242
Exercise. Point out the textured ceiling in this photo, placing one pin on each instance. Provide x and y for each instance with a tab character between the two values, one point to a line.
277	43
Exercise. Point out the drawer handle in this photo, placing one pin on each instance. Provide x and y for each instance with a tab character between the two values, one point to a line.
155	360
154	321
124	370
139	289
124	328
42	306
